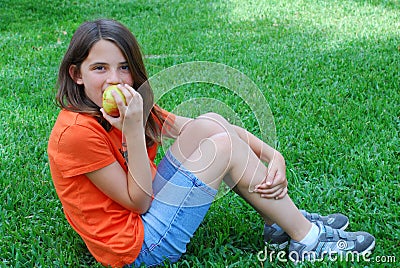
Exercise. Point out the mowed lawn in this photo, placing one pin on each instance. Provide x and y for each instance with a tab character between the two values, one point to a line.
329	72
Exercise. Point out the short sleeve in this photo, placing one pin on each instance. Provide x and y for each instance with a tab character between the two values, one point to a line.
82	150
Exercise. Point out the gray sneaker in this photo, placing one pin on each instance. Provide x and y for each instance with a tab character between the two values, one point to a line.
331	243
335	221
279	239
275	239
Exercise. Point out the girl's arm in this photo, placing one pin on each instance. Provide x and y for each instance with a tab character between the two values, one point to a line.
133	190
276	177
265	152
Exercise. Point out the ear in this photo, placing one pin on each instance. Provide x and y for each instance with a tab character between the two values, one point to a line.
75	74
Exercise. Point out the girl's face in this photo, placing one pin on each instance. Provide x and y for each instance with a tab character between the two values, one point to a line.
104	66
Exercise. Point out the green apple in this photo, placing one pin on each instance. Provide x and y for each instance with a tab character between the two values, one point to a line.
109	104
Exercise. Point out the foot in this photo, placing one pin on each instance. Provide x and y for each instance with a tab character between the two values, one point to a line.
330	243
278	239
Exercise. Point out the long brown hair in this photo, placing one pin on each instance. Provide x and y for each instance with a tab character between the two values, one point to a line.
71	96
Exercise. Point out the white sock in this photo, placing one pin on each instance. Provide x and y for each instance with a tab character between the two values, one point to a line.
311	239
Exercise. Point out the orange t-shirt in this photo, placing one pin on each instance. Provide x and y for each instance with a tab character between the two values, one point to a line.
78	144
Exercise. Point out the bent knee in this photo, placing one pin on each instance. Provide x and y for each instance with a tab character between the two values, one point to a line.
205	125
215	119
224	143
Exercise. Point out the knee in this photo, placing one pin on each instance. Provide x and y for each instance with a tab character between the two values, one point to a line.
224	143
216	122
215	119
206	125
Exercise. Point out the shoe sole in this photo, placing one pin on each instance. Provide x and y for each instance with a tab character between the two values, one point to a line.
345	226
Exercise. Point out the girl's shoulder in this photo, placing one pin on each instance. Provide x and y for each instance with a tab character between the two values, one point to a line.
68	119
71	117
76	126
78	144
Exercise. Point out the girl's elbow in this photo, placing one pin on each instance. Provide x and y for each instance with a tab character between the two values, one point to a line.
144	207
141	206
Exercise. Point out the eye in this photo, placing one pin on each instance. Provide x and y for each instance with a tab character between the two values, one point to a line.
125	67
98	68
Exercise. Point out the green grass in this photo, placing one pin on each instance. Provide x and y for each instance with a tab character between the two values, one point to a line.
328	69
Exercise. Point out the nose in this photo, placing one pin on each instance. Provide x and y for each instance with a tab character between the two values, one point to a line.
114	77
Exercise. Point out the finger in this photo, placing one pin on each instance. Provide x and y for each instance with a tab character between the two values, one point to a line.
260	187
119	101
283	194
266	185
128	90
263	186
125	92
273	195
271	190
279	180
108	117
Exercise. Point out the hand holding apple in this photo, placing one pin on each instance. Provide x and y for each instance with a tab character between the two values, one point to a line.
109	104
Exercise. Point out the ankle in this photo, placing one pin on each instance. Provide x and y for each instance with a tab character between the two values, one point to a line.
311	239
300	233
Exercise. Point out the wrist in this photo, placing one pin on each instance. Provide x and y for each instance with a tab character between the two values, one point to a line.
135	131
269	154
135	141
276	155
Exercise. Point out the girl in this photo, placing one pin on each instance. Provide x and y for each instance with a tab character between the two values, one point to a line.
130	212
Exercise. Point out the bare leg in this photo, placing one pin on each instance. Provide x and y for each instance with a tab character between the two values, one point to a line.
213	151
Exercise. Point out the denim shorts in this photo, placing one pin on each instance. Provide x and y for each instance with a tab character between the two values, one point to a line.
180	203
